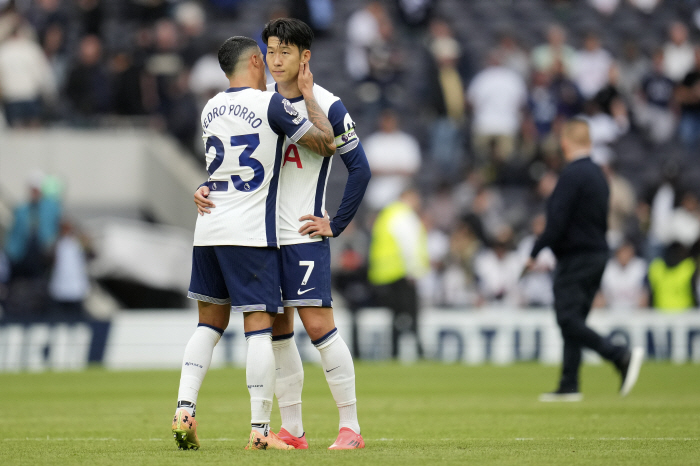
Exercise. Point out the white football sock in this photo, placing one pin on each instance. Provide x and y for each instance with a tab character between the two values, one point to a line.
340	375
260	377
195	364
289	382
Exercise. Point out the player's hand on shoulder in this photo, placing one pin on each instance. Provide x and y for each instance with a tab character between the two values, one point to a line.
305	79
200	199
316	226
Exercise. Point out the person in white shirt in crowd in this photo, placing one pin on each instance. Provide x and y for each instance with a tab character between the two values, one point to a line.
69	283
497	96
679	56
536	285
622	287
497	270
605	7
394	157
591	66
544	56
26	79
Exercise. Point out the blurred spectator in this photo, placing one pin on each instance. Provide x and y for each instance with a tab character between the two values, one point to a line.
394	157
44	13
497	270
654	111
672	279
605	7
512	55
146	11
591	66
69	284
623	201
374	57
605	128
181	113
457	283
316	13
128	82
543	111
445	95
416	12
91	16
29	244
679	57
555	50
87	85
165	63
364	30
622	286
566	92
25	79
646	6
55	51
497	96
536	285
206	79
633	67
34	231
398	256
688	96
191	19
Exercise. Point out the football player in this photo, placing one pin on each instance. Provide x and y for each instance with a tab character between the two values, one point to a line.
304	232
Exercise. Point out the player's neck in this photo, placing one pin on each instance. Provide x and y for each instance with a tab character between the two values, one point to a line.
289	90
244	81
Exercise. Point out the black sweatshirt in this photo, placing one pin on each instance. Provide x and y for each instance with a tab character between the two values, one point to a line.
577	211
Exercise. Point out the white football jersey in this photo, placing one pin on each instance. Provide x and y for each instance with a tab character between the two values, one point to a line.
244	133
305	173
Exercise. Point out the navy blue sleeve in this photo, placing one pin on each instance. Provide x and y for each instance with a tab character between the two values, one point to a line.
343	128
285	120
353	156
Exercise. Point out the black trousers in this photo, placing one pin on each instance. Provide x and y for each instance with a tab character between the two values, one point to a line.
576	281
402	298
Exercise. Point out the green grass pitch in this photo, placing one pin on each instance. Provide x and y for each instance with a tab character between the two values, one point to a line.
410	415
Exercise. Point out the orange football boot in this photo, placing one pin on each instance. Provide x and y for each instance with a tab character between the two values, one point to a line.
185	430
257	441
299	443
347	440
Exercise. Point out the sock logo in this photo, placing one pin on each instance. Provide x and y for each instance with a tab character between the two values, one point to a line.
333	369
194	364
255	386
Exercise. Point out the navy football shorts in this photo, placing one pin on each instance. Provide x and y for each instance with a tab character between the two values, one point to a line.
306	274
247	278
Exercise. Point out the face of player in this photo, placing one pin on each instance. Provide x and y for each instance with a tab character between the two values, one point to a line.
283	60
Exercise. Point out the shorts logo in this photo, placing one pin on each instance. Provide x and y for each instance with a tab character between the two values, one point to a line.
299	292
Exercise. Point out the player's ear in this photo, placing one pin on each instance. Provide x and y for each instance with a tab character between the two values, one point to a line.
306	56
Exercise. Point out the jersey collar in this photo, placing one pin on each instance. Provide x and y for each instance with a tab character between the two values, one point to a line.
236	89
295	99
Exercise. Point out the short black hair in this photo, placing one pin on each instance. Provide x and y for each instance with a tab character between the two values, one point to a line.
230	52
290	31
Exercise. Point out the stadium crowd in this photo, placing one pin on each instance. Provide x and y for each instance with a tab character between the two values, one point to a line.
471	121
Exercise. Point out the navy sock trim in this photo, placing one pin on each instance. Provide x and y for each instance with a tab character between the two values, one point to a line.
258	332
286	336
324	337
216	329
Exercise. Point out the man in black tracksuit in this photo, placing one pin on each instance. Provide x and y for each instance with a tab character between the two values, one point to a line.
577	213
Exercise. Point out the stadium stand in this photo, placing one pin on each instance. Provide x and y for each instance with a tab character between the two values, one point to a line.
145	51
